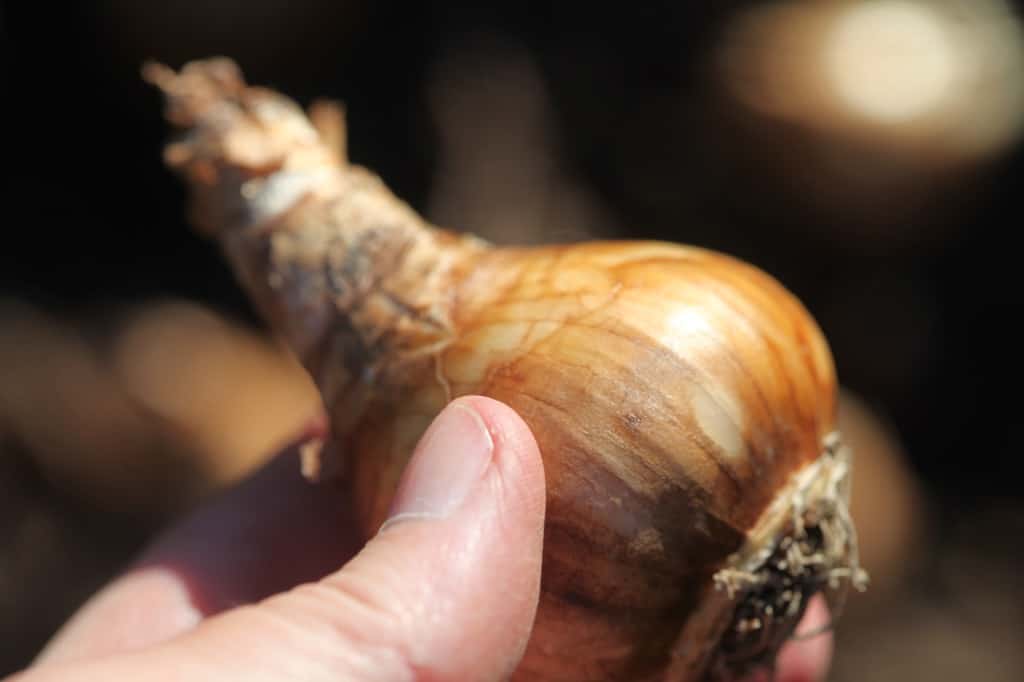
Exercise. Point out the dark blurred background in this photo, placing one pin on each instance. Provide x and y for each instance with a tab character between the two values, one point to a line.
868	154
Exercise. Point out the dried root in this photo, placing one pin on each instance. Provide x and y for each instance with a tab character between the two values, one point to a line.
805	544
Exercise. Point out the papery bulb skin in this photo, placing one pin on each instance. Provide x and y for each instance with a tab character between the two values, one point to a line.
673	391
684	402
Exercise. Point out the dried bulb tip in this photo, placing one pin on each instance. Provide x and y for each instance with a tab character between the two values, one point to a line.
198	84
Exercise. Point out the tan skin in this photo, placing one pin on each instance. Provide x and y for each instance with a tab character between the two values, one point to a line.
446	591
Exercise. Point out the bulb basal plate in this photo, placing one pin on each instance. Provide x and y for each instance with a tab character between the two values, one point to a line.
804	544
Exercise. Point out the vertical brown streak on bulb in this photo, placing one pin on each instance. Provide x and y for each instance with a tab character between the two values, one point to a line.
616	580
607	588
727	298
725	353
679	367
605	416
641	342
638	443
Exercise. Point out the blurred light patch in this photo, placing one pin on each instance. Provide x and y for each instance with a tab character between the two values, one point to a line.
942	79
501	172
81	432
234	396
149	410
888	506
891	61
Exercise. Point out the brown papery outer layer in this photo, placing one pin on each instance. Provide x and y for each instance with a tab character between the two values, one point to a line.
673	391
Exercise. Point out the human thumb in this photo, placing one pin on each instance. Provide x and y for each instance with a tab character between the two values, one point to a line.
446	590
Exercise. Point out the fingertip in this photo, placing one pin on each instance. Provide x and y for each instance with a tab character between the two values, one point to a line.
504	423
517	454
808	656
461	551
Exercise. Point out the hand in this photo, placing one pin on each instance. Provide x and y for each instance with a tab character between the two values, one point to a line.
447	590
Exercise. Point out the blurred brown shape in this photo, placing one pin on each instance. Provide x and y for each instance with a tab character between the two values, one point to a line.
55	553
501	174
232	396
942	608
111	425
887	505
162	405
83	433
959	618
881	116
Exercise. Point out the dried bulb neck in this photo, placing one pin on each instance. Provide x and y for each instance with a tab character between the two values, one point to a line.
338	265
345	259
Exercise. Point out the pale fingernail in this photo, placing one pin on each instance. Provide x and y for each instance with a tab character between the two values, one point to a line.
449	462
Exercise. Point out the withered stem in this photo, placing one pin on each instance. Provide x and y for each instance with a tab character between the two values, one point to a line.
337	264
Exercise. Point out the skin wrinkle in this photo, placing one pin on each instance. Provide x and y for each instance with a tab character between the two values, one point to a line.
508	477
347	650
355	598
319	509
330	651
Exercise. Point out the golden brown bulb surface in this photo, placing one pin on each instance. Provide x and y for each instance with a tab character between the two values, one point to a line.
683	401
673	392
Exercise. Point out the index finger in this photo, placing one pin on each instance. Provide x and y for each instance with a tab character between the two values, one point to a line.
270	533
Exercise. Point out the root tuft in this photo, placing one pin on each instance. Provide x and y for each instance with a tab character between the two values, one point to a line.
806	544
